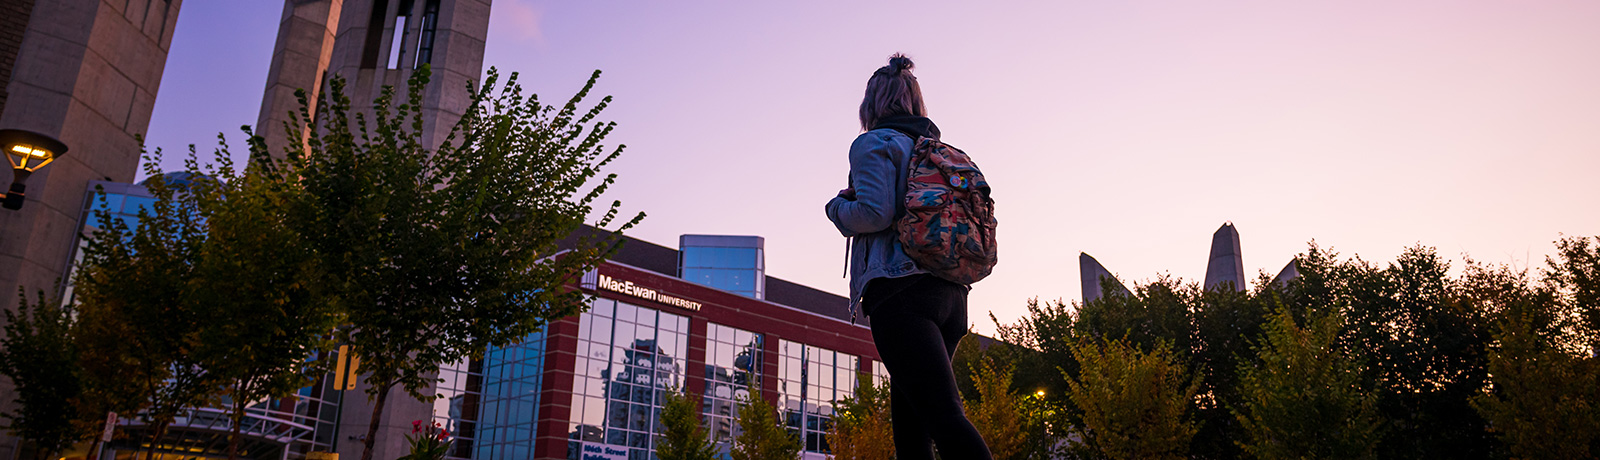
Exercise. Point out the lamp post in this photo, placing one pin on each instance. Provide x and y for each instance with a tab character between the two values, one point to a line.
27	151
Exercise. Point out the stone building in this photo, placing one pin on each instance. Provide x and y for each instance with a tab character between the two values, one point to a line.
86	72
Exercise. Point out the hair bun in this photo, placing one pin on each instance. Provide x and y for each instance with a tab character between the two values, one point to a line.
899	62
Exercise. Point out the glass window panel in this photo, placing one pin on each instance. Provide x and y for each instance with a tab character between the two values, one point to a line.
603	307
626	312
623	335
133	204
113	202
647	318
639	417
616	437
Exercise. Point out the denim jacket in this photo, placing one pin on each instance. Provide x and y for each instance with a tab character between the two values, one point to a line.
878	159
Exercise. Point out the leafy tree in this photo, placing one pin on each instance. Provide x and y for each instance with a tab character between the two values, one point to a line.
997	414
862	426
434	253
1302	399
1136	404
1039	345
1227	324
139	309
1424	348
1545	401
761	435
261	335
1153	313
1575	276
685	437
39	356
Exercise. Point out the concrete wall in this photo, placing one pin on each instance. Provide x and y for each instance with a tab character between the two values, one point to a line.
321	38
86	72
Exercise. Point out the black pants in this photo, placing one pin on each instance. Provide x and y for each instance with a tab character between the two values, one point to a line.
916	324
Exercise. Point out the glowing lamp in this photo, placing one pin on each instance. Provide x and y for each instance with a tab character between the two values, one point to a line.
27	151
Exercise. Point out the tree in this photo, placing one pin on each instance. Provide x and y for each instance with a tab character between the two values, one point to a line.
1302	398
685	437
1575	276
434	253
38	354
1153	313
862	426
138	309
264	329
761	436
1423	347
1135	404
997	414
1227	324
1040	346
1545	399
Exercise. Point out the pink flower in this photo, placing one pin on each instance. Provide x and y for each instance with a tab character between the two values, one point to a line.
444	434
416	426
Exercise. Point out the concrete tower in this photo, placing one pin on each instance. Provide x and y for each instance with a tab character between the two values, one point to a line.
85	72
1226	264
372	44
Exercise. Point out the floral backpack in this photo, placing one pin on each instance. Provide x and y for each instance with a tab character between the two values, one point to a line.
948	228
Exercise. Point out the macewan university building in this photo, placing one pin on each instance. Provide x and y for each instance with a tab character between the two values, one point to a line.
704	317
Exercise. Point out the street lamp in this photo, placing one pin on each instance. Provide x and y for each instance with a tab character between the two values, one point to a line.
28	151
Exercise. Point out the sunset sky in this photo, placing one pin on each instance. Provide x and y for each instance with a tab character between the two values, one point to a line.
1128	130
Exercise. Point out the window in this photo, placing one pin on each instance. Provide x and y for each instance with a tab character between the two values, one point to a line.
627	355
810	379
731	263
457	407
880	374
513	377
430	25
733	362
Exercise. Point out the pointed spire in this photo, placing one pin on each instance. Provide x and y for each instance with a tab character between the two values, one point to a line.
1091	273
1290	271
1227	264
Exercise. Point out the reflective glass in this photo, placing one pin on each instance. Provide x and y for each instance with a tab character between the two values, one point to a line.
733	361
512	379
632	356
809	382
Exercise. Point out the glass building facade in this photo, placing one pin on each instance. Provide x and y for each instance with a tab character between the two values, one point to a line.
735	264
810	379
512	378
122	201
632	344
733	364
627	356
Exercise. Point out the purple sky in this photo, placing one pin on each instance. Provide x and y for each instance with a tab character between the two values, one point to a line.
1128	130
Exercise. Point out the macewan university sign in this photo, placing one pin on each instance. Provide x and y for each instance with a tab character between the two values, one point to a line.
628	288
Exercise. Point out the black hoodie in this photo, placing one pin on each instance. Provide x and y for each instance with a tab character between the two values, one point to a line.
910	125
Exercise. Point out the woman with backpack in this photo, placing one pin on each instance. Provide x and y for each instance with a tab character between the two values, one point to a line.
917	317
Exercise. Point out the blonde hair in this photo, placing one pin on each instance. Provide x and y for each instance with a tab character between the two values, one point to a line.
892	90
